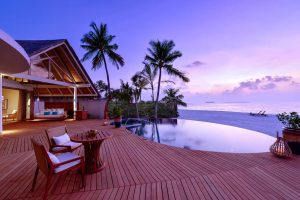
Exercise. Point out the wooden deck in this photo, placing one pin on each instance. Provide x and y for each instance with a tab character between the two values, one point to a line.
141	169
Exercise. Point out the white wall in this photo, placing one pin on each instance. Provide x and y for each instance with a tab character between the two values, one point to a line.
95	108
39	106
13	99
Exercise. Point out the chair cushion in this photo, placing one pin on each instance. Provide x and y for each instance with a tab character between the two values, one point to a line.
61	140
60	111
65	157
53	158
57	149
73	145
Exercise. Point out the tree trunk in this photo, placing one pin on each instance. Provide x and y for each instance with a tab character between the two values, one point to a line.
137	110
152	89
140	94
157	96
108	85
107	76
157	132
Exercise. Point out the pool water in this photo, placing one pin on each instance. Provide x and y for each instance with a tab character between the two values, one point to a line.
205	136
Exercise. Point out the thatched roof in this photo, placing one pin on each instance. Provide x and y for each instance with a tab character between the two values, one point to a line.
33	47
65	66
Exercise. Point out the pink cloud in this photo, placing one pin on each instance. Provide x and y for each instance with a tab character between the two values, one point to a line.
265	83
195	64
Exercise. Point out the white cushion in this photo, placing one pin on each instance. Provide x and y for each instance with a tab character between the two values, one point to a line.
60	111
56	149
61	140
65	157
73	145
53	158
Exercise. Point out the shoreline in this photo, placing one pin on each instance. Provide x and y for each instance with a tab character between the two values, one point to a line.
268	125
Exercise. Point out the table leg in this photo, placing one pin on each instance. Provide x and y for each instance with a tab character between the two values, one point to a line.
93	162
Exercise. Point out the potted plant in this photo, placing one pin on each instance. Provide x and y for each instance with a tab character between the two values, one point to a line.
291	131
117	115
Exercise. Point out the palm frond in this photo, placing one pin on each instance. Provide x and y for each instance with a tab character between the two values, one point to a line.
168	81
115	58
175	72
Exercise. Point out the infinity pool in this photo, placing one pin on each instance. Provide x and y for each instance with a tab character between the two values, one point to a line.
205	136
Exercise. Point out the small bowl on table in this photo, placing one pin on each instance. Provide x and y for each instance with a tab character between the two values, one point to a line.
92	133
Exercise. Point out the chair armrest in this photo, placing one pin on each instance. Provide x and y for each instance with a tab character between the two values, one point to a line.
69	161
64	146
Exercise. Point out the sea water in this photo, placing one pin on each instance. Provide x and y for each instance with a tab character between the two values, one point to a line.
270	108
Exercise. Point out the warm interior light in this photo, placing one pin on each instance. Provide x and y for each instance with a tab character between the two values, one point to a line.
8	132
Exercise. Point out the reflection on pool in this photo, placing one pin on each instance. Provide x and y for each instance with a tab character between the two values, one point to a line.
204	136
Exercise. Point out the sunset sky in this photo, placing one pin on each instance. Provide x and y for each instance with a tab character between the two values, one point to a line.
232	50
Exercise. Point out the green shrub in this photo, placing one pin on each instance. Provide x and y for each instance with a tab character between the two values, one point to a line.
117	111
291	120
146	110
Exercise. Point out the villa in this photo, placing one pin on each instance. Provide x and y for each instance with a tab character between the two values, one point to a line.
55	92
56	79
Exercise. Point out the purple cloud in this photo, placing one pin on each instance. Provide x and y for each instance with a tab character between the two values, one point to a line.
195	64
265	83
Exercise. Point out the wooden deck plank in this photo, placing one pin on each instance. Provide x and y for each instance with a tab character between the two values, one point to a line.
141	169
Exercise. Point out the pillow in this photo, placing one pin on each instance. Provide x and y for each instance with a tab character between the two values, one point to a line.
63	139
54	113
53	158
60	111
47	113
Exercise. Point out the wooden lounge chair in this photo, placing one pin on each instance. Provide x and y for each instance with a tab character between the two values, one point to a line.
10	116
13	116
260	113
255	114
60	148
263	114
50	164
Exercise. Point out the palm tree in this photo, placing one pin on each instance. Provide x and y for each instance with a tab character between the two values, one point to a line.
149	73
99	46
101	87
126	92
161	56
139	83
173	99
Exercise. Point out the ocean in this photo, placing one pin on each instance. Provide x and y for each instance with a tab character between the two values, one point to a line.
247	107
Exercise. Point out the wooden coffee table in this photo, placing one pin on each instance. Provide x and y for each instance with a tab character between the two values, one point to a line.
93	161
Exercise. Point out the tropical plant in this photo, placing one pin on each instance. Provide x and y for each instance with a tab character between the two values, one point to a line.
173	99
139	83
291	120
117	112
145	109
99	46
126	92
161	56
101	88
149	73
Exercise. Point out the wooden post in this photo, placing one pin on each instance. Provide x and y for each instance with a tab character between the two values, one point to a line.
1	125
31	105
22	106
75	103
